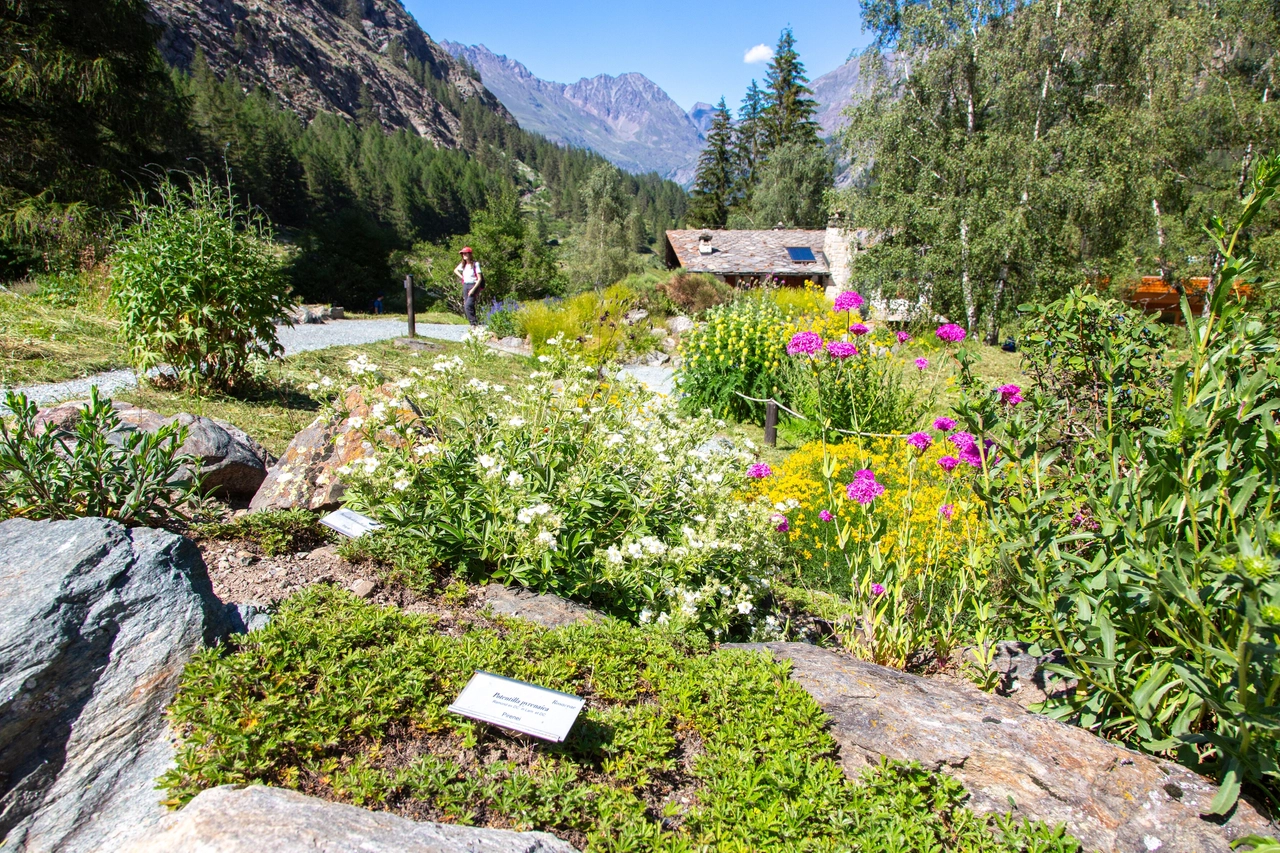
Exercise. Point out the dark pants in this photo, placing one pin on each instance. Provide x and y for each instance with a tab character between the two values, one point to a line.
469	305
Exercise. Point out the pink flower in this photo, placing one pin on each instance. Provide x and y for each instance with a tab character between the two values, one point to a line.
944	424
859	329
922	363
903	337
864	489
825	515
864	474
784	526
951	333
962	440
841	349
877	589
805	343
920	441
947	510
1010	395
848	300
759	471
948	463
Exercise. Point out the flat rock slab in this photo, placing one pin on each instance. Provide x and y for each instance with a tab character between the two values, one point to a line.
1109	797
96	625
549	611
272	820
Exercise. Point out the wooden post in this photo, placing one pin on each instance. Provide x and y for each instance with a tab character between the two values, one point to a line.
771	423
408	300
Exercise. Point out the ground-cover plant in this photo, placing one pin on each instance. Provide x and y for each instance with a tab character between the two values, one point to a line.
570	483
276	532
197	285
1150	556
677	749
93	468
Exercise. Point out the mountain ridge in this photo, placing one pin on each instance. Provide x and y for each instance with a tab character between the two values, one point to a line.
627	118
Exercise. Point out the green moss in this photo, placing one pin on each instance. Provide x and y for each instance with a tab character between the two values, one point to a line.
680	748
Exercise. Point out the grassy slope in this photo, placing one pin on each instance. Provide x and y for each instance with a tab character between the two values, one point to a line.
40	343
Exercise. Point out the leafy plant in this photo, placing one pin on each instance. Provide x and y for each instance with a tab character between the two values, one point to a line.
593	319
694	293
96	468
197	286
337	694
1155	570
737	351
503	319
276	532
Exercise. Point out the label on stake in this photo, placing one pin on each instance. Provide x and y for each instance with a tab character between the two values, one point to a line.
350	523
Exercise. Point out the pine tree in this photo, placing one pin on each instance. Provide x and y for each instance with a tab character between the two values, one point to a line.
789	110
748	142
716	177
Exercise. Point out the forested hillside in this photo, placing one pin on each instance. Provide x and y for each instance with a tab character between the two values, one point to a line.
95	115
1042	145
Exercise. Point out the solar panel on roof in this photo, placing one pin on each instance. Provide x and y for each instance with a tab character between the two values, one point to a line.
801	254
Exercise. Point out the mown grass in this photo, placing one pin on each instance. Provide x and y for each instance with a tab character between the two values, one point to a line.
42	343
679	748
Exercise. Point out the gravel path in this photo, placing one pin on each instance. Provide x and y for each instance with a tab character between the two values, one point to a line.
660	380
296	339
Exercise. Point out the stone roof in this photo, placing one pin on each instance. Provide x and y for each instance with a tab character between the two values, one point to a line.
748	252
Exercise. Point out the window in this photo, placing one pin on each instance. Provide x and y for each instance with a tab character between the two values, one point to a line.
801	254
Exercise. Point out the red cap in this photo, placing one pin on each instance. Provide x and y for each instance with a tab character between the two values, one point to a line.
466	250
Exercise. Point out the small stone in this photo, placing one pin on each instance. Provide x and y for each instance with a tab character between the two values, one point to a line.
302	555
363	588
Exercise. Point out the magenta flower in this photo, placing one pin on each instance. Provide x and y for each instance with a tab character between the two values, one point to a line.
944	424
903	337
841	349
784	526
948	463
759	471
805	343
825	515
922	363
864	474
859	329
947	510
1010	395
951	333
877	589
920	441
864	489
848	300
962	440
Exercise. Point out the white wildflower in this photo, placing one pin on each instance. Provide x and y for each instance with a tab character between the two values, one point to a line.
401	484
547	539
545	359
515	479
664	619
355	422
313	386
516	422
646	616
614	556
745	607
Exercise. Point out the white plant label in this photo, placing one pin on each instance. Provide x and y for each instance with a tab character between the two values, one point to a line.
528	708
350	523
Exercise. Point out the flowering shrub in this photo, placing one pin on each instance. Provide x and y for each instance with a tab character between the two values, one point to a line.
503	319
593	319
739	348
588	489
910	488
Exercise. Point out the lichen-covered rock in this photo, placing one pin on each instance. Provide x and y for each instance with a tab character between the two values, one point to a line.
306	475
549	611
96	625
1109	797
272	820
232	464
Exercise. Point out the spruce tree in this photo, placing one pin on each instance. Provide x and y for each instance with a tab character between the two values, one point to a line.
789	109
716	177
748	142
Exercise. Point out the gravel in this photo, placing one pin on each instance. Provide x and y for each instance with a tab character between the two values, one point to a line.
296	339
660	380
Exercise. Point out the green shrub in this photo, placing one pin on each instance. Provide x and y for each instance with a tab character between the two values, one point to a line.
197	286
593	319
503	319
648	287
587	488
276	532
350	700
1151	557
737	350
695	292
94	469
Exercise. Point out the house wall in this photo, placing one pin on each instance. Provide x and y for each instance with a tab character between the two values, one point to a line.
836	247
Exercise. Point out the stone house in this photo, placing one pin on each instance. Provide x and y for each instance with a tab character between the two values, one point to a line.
785	256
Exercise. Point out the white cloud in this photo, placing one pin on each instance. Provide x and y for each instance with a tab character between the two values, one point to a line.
759	53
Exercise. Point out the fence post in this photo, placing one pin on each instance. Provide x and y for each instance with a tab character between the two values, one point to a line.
771	423
408	299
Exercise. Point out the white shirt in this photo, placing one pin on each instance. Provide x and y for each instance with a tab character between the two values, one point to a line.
470	272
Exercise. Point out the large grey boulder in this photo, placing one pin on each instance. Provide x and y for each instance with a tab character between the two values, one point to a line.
549	611
272	820
96	624
232	464
1109	797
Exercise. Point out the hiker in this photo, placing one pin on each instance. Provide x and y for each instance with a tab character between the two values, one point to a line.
468	272
377	303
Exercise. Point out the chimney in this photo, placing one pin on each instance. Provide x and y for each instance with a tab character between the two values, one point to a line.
704	245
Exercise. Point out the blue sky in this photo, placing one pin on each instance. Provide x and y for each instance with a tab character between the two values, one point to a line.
692	50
